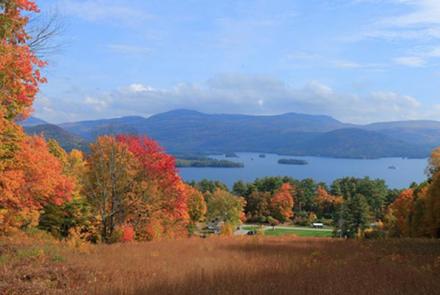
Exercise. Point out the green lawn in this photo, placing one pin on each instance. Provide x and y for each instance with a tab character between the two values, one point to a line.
298	232
303	232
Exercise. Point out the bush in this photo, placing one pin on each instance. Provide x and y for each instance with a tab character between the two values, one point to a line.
127	234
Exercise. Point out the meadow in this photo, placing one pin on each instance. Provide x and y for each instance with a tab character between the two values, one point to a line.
296	231
238	265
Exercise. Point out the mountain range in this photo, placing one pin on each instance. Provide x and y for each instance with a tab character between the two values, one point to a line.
192	132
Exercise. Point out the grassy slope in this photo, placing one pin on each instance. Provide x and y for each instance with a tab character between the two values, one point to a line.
243	265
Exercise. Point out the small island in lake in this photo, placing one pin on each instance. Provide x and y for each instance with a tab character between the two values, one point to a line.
205	162
231	155
392	167
292	162
262	155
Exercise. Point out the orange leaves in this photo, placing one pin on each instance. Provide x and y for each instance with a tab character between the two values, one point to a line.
34	180
196	204
131	180
282	203
24	186
19	67
27	5
327	202
42	173
401	209
158	168
127	234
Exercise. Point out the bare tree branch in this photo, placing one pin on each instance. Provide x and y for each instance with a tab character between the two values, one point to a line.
45	31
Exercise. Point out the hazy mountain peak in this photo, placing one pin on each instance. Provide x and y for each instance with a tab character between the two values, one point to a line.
32	121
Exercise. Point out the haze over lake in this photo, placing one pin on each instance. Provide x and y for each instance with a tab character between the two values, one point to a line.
320	169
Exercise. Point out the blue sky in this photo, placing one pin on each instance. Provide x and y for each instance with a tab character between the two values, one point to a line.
357	60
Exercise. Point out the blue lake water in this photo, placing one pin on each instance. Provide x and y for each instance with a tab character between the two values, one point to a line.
320	169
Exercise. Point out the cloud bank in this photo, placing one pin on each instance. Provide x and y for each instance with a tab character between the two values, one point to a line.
235	93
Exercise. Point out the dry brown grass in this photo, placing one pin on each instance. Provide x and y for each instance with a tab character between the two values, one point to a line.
247	265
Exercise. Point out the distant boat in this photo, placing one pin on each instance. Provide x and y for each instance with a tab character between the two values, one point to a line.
262	155
392	167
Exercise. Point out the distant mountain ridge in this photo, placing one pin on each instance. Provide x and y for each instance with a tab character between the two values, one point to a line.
32	121
66	139
186	131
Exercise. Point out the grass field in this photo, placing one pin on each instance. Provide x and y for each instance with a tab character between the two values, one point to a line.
300	232
239	265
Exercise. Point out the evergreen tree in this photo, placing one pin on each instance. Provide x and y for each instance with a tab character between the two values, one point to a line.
354	217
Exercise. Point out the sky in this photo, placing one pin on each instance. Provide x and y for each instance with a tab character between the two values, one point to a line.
359	61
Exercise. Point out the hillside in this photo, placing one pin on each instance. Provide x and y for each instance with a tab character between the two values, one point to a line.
420	132
32	121
67	140
186	131
359	143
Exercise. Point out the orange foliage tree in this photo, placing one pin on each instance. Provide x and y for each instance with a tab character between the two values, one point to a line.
19	76
400	211
132	182
196	204
159	207
282	203
19	80
38	181
326	202
109	185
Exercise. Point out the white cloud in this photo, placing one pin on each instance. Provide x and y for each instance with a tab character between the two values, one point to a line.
419	58
244	94
137	88
421	23
426	12
98	104
411	61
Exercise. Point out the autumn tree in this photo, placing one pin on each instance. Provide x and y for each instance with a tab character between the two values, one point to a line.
111	175
38	181
282	203
401	209
206	185
327	204
19	80
159	204
19	74
196	205
225	207
73	216
419	224
434	163
258	206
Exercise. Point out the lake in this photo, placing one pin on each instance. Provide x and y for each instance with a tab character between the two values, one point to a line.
320	169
